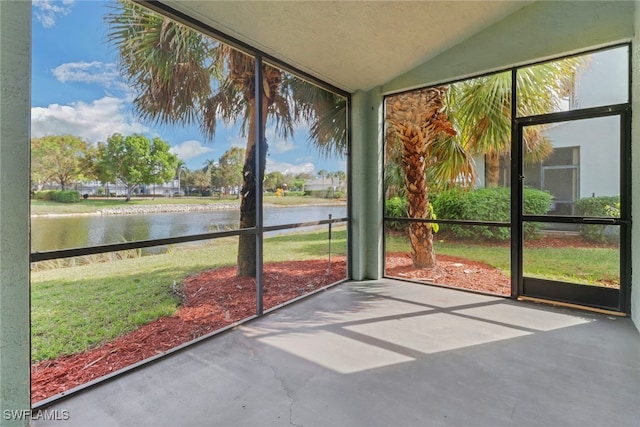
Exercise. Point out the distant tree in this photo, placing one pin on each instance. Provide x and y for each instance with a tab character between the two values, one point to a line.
181	170
135	160
230	167
297	184
59	158
89	163
340	175
186	181
337	178
182	77
273	181
200	180
290	182
298	181
211	168
304	176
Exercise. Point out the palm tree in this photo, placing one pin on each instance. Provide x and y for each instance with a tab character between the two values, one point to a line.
480	110
210	166
322	173
433	133
183	77
417	123
180	168
341	176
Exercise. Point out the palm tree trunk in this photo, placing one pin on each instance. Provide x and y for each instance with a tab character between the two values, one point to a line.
242	70
247	242
248	207
493	169
416	119
420	234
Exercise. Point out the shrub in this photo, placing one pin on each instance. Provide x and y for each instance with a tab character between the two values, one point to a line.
396	207
607	206
44	195
595	206
324	194
536	202
487	204
295	193
67	196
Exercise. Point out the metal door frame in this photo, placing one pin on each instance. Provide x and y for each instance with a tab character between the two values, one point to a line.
589	296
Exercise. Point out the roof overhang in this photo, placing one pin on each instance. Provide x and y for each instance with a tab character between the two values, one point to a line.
353	45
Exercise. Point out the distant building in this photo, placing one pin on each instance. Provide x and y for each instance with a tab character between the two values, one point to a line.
586	156
326	183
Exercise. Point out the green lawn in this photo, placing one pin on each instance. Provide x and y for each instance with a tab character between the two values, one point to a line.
594	266
76	308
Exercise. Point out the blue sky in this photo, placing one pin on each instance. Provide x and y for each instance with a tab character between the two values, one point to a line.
76	89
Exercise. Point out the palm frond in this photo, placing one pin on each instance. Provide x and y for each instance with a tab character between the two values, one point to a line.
180	76
451	164
326	113
167	64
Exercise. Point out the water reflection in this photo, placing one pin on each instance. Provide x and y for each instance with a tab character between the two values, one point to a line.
50	233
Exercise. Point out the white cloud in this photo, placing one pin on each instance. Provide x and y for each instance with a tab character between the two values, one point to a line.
235	140
190	149
93	121
282	146
46	11
277	144
289	168
88	72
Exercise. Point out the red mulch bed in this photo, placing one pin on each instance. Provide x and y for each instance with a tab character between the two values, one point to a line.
451	271
217	298
472	275
211	300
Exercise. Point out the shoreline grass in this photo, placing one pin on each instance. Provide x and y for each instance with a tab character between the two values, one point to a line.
94	205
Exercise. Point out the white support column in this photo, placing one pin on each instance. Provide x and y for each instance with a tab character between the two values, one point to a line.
366	175
15	89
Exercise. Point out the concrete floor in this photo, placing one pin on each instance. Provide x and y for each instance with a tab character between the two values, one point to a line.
387	353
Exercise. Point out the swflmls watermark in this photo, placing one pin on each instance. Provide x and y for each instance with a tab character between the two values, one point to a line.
37	415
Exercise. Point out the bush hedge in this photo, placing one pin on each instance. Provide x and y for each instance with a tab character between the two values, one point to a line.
324	194
487	204
66	196
396	207
606	206
44	195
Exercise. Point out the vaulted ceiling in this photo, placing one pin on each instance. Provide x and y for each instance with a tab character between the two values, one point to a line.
354	45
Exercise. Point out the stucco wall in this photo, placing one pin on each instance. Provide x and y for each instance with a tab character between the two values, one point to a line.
599	162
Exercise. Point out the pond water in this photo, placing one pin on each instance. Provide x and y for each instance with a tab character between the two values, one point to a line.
64	232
